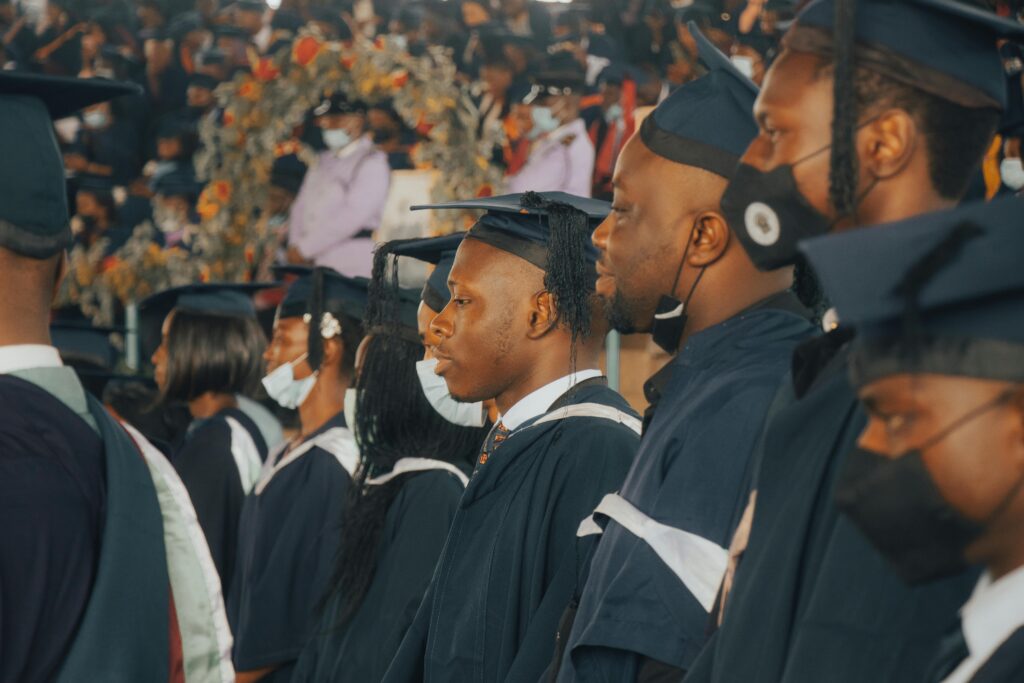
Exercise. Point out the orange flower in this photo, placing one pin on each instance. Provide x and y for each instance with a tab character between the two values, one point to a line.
250	90
378	43
108	263
265	70
305	50
204	274
250	254
485	191
422	126
399	79
221	190
348	61
285	148
229	117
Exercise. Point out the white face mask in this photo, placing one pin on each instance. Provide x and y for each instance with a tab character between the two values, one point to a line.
544	122
436	391
95	119
282	386
1011	169
336	138
743	64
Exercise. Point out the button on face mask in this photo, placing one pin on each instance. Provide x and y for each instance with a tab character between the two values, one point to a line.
287	391
436	391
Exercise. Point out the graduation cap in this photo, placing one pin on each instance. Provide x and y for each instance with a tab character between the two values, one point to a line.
178	183
201	80
288	173
211	57
231	31
217	298
184	25
706	123
439	251
33	192
94	184
322	294
552	231
339	103
287	21
82	346
559	74
943	47
251	6
945	293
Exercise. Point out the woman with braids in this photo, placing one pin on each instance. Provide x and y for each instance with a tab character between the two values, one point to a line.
289	533
398	512
210	352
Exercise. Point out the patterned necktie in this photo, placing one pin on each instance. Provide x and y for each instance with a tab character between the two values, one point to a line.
952	651
494	439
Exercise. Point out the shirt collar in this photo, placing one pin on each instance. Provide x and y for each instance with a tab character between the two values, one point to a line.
993	613
28	356
537	403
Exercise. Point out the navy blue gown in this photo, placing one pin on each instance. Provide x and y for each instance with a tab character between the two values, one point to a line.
414	533
510	565
692	474
219	466
52	497
288	539
812	600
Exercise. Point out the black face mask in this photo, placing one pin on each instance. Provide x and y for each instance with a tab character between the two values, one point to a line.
670	315
896	504
769	215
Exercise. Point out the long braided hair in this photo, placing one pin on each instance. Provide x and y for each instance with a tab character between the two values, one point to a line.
843	166
394	420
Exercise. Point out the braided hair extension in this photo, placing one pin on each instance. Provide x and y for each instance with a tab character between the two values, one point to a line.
568	277
843	167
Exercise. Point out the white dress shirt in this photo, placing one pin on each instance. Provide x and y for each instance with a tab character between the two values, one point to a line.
994	612
537	402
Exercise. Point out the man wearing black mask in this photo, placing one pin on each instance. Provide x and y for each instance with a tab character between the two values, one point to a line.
936	479
811	600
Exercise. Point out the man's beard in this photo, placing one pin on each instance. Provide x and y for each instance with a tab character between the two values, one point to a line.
620	313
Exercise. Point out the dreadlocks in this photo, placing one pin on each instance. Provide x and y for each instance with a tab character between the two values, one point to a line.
842	190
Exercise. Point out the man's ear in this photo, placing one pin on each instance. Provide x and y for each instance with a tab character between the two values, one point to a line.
710	238
887	144
543	314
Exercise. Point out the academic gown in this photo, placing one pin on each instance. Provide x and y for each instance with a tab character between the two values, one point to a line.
80	543
414	533
1006	665
288	538
692	474
219	463
812	600
509	567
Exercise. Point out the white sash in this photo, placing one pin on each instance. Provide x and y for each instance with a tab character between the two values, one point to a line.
245	453
407	465
597	410
699	563
338	441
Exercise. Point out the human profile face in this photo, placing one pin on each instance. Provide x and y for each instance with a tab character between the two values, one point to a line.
159	358
428	337
289	342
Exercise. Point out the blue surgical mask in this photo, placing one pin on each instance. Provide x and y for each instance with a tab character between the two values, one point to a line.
336	138
351	398
436	391
282	386
544	122
1011	170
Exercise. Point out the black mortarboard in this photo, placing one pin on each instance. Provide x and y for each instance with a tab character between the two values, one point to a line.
33	193
83	346
439	251
95	184
201	80
943	47
706	123
231	31
173	125
287	21
212	56
220	299
338	103
288	172
341	293
559	74
185	24
940	293
178	183
251	5
552	231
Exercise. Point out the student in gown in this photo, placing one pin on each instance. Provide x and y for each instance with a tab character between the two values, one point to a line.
670	266
84	541
935	480
400	507
440	252
811	600
211	350
289	532
519	328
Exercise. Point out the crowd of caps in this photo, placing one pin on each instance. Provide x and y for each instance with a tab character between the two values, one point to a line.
565	82
467	500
